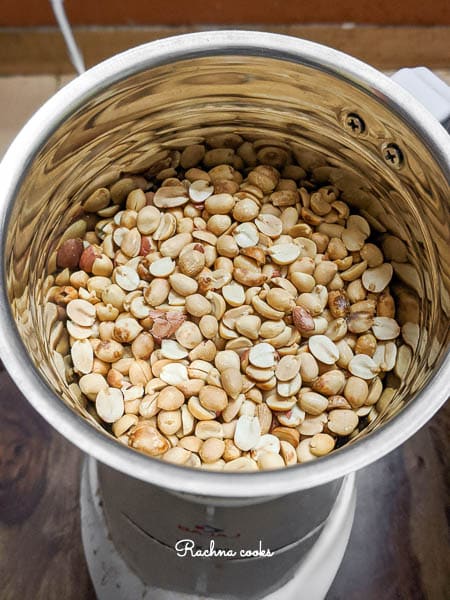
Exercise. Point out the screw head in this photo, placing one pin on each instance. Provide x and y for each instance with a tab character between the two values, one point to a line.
354	124
392	155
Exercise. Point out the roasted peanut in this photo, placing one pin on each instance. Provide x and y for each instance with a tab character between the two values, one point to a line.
232	308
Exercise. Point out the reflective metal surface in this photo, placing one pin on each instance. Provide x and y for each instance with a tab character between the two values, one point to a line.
119	116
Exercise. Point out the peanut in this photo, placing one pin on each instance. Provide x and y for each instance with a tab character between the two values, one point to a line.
230	310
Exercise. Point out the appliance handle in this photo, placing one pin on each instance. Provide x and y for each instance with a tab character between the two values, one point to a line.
429	89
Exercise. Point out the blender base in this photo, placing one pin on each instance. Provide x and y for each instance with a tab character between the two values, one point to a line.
114	580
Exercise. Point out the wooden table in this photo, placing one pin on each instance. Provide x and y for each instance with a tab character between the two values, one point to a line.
398	549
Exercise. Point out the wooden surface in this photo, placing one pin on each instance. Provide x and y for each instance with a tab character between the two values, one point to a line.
41	556
179	12
398	549
37	51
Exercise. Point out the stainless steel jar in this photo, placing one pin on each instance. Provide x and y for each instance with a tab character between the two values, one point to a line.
347	122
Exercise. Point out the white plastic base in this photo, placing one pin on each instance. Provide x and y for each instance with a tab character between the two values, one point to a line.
113	580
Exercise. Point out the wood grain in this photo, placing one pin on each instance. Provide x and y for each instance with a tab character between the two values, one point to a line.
398	549
178	12
31	51
399	546
41	556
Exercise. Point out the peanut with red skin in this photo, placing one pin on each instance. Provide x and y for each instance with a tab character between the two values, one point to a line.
69	253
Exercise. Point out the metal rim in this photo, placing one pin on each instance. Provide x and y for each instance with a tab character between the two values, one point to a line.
107	450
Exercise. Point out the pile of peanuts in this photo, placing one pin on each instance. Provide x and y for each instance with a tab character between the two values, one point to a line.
226	312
